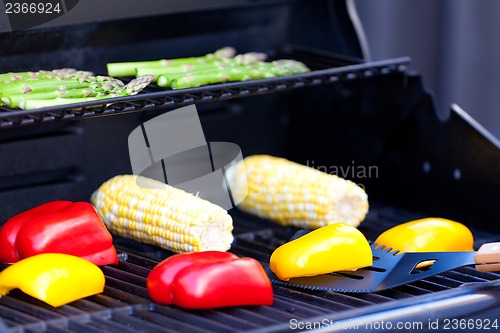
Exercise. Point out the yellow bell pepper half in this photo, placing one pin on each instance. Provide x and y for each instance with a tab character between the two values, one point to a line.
332	248
428	235
54	278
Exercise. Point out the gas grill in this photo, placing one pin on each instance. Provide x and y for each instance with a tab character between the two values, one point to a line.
346	115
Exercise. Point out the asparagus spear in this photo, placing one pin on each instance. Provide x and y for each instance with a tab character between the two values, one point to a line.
15	101
168	74
257	70
54	84
281	67
247	58
165	80
94	89
182	69
231	74
45	103
63	74
128	68
132	88
41	85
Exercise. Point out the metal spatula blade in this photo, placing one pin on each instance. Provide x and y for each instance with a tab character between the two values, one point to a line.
389	269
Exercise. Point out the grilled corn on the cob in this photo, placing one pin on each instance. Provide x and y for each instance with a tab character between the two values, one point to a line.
297	195
152	212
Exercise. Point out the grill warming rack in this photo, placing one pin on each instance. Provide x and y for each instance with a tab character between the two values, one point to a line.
325	68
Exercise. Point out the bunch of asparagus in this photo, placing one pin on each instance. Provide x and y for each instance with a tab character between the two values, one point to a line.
221	66
31	90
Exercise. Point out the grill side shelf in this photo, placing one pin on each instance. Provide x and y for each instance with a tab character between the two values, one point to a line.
152	98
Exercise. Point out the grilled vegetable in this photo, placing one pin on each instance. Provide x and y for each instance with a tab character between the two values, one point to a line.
53	278
155	213
428	235
41	85
128	68
63	74
61	91
176	70
162	276
46	91
294	194
30	90
206	280
222	66
57	227
336	247
219	284
236	73
211	66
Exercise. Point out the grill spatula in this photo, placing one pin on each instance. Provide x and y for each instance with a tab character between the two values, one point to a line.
391	269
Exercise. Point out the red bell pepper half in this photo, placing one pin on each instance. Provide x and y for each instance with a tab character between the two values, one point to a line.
57	227
211	279
162	275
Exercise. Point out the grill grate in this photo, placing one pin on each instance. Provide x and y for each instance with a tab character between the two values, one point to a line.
125	307
326	68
